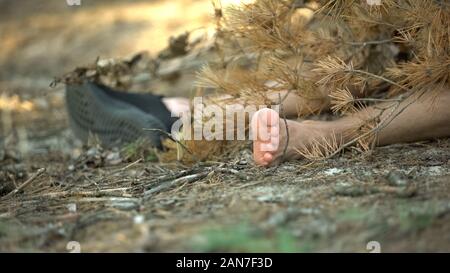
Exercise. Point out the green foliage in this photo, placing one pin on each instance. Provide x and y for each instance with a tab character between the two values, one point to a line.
139	149
244	238
416	218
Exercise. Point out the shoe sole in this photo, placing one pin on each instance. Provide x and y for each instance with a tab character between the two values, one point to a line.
91	111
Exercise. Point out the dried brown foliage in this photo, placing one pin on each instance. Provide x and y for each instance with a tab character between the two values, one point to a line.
354	50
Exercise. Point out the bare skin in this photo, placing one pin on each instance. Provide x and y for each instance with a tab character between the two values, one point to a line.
177	105
295	106
424	119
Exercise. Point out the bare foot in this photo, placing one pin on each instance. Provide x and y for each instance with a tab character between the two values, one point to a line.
269	136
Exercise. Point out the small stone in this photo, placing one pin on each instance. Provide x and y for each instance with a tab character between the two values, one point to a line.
138	219
92	152
397	178
72	207
113	158
243	162
266	198
289	168
333	171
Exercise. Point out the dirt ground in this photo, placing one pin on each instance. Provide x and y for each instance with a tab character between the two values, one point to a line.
124	201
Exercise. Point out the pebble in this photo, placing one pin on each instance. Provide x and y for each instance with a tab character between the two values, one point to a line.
397	178
72	207
138	219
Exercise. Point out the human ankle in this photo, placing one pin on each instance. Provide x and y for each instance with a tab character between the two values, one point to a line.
328	129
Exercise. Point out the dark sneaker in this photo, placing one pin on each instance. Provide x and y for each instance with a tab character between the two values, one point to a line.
93	110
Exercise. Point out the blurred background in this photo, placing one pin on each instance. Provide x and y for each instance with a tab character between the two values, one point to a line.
44	39
41	39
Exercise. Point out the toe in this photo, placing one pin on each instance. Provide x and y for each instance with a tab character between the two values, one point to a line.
268	157
266	136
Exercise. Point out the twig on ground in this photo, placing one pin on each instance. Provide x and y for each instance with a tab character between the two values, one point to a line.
168	185
26	183
251	184
168	177
232	171
108	199
131	165
97	193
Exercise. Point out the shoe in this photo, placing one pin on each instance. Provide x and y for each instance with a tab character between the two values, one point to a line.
149	103
93	110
